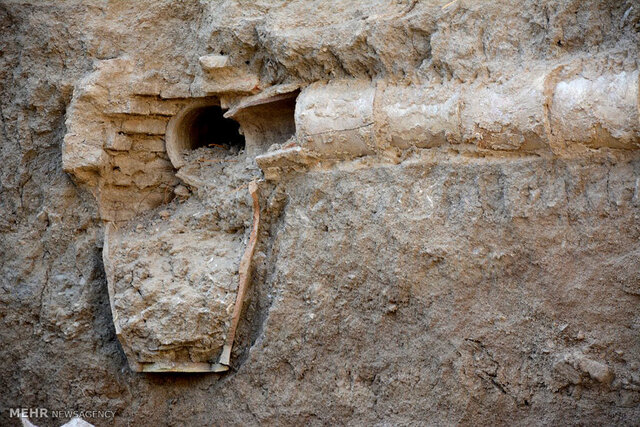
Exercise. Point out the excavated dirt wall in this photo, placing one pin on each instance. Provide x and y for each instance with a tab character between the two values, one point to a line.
449	203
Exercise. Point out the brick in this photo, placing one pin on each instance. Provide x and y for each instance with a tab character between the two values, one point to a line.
145	126
154	145
118	142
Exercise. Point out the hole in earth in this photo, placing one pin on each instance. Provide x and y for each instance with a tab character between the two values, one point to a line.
208	128
202	125
267	121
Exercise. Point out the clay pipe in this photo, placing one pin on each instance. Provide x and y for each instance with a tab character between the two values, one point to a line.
244	271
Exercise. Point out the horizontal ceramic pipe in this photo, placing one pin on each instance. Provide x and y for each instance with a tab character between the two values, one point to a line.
420	116
535	111
597	112
337	119
506	116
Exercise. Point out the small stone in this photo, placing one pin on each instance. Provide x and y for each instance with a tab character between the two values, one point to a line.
43	216
580	335
597	370
210	62
165	214
181	191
